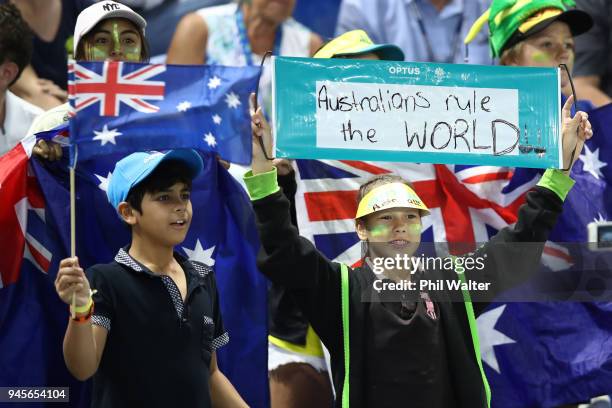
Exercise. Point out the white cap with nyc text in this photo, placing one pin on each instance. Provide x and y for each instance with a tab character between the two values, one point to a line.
92	15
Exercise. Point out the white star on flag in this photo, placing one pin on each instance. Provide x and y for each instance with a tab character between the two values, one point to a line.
105	136
183	106
210	139
216	119
199	254
104	181
600	219
489	337
591	161
214	82
232	100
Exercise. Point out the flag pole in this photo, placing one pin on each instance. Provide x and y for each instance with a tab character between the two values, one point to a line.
73	220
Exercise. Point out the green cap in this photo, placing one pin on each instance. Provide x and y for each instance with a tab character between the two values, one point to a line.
511	21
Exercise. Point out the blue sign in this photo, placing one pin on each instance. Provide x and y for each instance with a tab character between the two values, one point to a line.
417	112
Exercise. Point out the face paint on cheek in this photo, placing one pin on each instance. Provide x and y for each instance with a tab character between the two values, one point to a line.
132	54
415	229
95	53
540	57
379	231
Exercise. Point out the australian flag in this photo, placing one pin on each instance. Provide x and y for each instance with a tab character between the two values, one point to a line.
534	354
123	107
204	108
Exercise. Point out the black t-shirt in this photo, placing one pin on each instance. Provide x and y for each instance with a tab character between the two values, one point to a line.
406	363
159	348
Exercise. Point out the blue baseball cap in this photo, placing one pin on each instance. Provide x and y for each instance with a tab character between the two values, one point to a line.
134	168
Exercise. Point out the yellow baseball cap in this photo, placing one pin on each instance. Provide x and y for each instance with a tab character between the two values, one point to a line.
391	195
357	42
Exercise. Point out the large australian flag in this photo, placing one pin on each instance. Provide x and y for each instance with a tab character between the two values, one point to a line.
124	107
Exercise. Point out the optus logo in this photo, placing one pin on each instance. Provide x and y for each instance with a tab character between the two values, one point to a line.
404	70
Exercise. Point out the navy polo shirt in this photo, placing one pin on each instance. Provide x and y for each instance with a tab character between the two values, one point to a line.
158	348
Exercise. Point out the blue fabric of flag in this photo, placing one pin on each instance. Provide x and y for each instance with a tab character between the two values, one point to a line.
561	352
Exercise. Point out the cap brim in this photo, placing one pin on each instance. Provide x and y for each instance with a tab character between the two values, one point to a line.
386	52
579	22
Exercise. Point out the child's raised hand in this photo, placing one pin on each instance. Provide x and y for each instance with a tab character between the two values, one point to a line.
260	129
575	130
71	278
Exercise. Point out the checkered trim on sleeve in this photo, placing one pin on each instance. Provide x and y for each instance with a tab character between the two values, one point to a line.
201	269
175	294
208	320
220	341
102	321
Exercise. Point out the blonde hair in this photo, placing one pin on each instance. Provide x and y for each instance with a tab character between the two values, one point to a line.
511	54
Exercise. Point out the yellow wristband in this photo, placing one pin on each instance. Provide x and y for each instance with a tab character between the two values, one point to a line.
85	307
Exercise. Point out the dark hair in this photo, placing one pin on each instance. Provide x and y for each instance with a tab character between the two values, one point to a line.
379	180
15	38
145	53
164	176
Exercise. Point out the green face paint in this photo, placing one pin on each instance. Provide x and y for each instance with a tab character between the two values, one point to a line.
382	230
101	48
379	230
541	57
116	38
415	229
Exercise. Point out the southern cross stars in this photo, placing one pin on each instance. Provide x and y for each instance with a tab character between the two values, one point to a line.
214	82
210	139
232	100
183	106
591	162
106	136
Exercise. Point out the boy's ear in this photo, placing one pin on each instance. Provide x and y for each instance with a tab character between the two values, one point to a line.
361	229
127	213
8	72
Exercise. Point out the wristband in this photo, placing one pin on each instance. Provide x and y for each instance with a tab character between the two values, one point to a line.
87	317
85	308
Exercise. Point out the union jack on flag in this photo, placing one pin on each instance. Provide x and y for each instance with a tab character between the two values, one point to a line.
115	86
22	215
468	203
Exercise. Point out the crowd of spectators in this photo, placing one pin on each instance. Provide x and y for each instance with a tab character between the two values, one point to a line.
36	40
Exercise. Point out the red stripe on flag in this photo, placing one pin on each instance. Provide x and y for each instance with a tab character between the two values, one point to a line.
40	259
140	72
145	105
504	175
331	205
558	253
366	167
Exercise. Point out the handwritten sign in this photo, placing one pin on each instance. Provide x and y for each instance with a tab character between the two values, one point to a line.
398	111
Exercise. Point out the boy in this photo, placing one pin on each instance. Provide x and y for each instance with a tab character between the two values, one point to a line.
149	331
398	353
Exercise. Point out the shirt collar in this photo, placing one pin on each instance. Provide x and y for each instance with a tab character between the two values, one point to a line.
193	269
453	7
